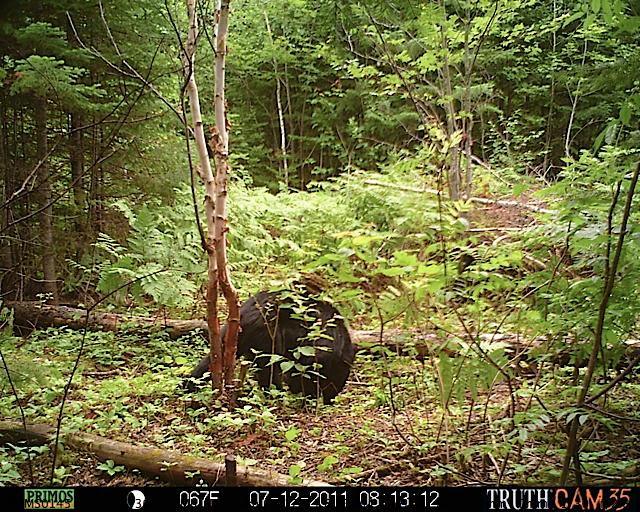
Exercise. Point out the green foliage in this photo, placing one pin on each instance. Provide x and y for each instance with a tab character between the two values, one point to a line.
331	123
162	259
585	226
8	471
548	93
294	471
563	70
46	76
287	229
45	39
476	368
110	467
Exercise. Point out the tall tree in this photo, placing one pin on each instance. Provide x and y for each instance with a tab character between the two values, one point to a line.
100	142
222	352
46	206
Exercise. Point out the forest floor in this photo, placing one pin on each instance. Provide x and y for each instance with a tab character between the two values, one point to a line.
388	427
369	443
377	432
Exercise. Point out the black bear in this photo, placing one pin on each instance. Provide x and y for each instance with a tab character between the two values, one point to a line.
283	323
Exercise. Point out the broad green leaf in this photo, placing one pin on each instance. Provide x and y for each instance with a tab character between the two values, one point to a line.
625	114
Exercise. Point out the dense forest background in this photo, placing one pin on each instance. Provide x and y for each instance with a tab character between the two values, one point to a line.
447	167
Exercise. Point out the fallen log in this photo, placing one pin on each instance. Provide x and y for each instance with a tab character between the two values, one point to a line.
32	315
35	315
169	466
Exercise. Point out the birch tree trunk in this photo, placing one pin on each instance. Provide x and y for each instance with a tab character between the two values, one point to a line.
76	159
221	155
210	192
216	189
283	138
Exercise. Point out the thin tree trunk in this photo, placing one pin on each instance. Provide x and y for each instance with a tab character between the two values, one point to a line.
13	279
574	105
283	138
46	215
221	152
93	218
216	189
466	107
454	178
546	162
76	149
209	203
76	159
7	276
292	127
610	277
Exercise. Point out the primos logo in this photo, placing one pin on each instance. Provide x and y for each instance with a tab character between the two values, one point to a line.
49	498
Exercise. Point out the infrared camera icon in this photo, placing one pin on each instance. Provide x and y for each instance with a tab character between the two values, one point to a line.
135	500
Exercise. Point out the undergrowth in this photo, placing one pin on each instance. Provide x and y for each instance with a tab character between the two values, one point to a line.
471	374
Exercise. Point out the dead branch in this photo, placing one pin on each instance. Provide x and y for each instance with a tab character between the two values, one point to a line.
481	200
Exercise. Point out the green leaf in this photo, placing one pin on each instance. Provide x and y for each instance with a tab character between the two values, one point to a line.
391	272
519	189
404	259
572	18
625	114
294	470
285	366
292	433
306	351
588	21
327	463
